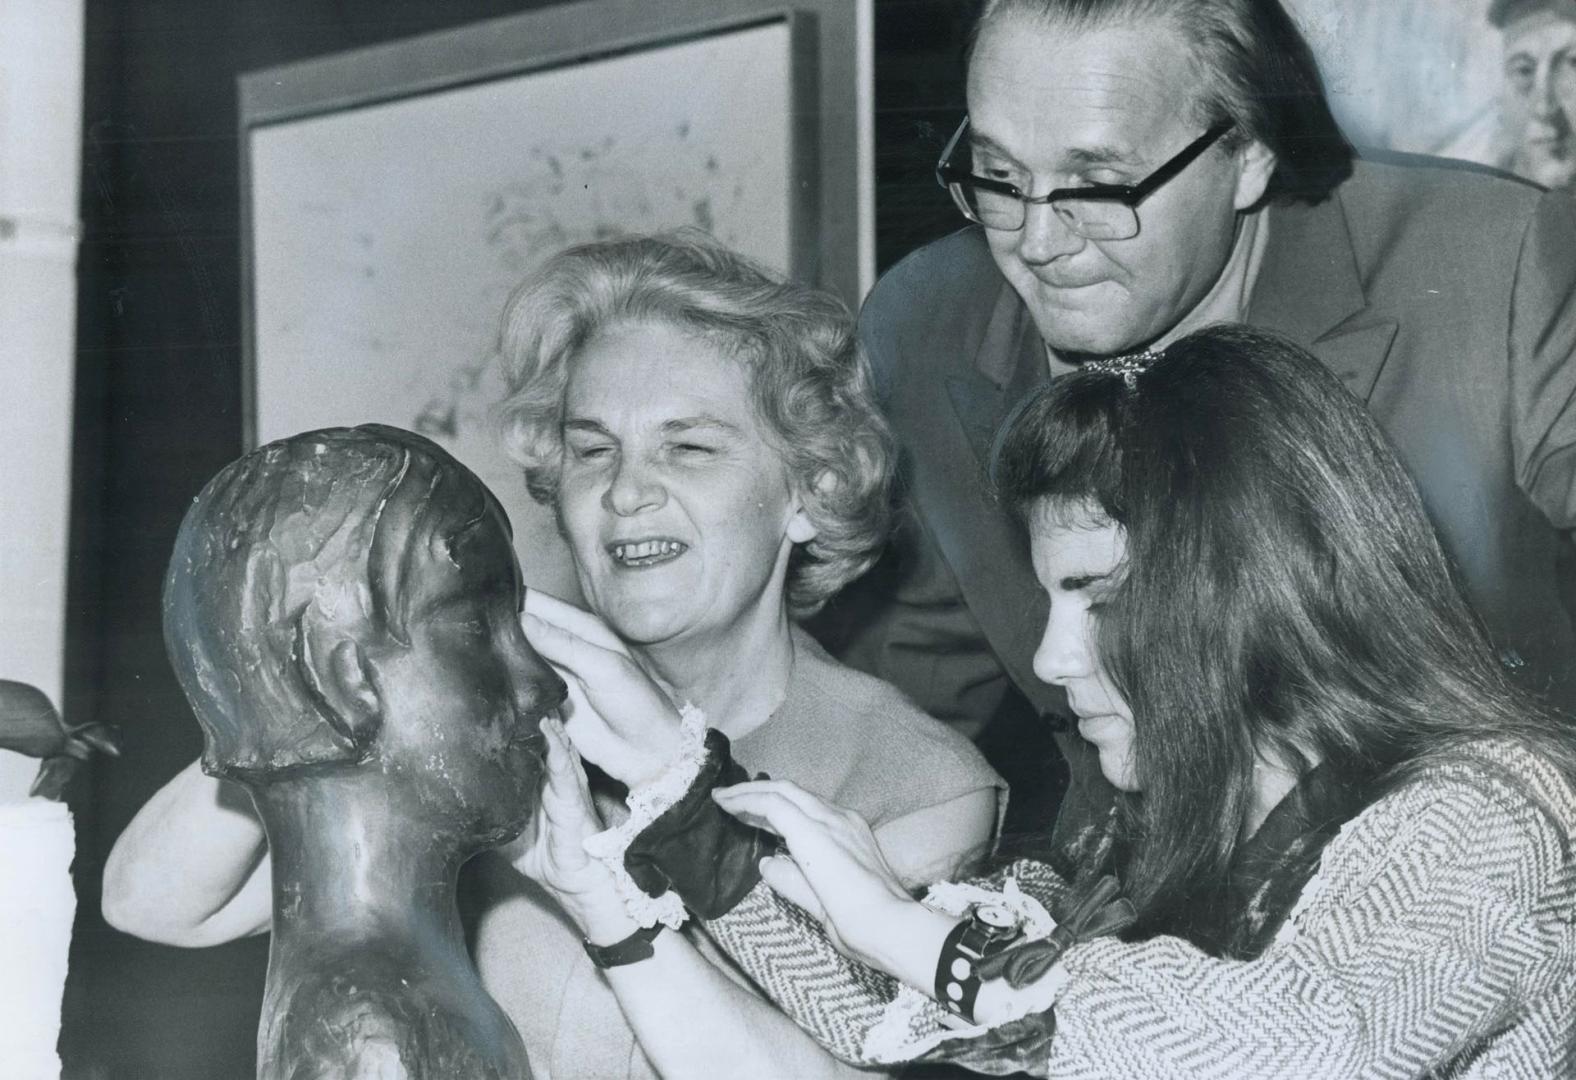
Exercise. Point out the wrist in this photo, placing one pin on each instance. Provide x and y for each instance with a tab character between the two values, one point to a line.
605	927
911	939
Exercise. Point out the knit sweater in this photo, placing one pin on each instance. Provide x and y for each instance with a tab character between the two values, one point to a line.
1438	937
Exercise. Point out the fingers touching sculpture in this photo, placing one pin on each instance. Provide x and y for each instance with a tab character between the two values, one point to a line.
342	611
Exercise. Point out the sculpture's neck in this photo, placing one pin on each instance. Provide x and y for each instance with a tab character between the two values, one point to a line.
350	862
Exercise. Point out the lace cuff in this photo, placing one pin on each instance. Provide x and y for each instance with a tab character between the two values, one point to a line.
913	1024
647	803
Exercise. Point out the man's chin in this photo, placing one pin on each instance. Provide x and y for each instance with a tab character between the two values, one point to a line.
1074	344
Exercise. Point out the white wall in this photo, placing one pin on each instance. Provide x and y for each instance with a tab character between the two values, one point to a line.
40	140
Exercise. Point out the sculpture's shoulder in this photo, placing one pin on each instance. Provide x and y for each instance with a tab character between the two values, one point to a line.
368	1017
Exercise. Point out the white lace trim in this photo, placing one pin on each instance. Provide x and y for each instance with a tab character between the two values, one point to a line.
954	898
912	1023
646	803
901	1034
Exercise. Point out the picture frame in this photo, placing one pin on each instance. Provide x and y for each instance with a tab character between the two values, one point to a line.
373	278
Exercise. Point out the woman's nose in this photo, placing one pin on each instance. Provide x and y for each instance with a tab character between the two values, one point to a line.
634	487
1064	651
1045	235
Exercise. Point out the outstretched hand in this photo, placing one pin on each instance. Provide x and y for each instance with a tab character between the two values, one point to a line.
552	850
30	724
835	871
617	716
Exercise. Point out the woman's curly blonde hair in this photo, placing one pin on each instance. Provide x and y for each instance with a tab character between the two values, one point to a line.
809	382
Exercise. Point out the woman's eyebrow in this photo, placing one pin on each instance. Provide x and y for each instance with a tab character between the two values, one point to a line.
591	426
683	424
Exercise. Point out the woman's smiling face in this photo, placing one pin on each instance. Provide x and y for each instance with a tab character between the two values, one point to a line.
678	512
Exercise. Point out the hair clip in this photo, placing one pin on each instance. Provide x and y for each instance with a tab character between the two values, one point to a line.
1129	366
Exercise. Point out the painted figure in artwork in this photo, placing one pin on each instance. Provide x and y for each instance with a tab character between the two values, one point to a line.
342	611
1538	97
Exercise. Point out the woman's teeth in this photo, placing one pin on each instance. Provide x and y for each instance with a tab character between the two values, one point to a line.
646	552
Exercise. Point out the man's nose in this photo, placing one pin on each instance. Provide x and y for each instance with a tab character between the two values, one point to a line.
634	487
1545	102
1045	235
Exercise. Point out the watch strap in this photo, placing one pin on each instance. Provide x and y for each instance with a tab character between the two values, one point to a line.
970	942
631	950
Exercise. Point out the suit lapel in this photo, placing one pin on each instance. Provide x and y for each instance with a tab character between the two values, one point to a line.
988	551
1309	289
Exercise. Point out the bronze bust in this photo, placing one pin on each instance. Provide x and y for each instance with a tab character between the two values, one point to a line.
342	611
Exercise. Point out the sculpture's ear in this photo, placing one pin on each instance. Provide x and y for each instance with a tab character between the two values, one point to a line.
334	668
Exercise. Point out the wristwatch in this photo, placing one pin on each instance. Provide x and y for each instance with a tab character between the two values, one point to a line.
986	929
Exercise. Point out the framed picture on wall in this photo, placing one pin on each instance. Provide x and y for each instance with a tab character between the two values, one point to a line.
393	196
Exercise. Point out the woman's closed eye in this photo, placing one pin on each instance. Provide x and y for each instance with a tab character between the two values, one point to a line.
590	451
691	449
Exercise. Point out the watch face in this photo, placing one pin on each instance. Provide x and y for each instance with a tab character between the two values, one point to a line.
996	916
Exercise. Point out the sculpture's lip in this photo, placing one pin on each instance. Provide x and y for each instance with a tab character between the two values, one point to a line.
530	738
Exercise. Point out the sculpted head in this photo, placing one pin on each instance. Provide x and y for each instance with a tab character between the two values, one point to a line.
347	599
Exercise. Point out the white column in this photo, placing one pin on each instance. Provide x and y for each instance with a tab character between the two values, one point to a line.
40	163
40	139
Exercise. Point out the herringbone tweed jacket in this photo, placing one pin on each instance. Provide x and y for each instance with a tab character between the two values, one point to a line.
1437	938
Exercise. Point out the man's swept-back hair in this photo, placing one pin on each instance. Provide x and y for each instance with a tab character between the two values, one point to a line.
809	383
290	551
1254	66
1283	592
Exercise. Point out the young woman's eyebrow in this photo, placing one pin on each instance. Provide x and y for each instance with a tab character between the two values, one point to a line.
1077	582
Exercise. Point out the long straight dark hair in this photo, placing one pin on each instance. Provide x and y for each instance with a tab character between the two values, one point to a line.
1283	592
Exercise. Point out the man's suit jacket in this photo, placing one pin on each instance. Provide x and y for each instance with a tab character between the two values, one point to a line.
1441	297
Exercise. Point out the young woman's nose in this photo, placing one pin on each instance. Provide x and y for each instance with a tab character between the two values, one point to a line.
634	487
1064	652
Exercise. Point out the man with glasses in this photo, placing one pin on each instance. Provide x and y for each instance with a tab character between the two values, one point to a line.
1136	170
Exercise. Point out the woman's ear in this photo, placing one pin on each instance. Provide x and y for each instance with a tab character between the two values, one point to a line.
801	530
334	667
801	527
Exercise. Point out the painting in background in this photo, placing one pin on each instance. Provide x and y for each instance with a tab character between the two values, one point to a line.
1480	80
385	238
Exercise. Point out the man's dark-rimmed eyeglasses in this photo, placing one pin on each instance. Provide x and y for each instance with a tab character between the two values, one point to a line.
1094	211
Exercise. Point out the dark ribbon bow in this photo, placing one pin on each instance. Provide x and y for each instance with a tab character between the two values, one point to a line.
1100	911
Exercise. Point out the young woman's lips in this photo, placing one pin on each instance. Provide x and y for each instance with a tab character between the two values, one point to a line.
645	553
1093	727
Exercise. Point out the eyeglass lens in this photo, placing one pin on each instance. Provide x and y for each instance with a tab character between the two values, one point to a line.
1093	219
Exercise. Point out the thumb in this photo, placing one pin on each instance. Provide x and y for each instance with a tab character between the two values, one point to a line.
788	881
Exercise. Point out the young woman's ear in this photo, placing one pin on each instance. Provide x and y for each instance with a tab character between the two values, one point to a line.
334	667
